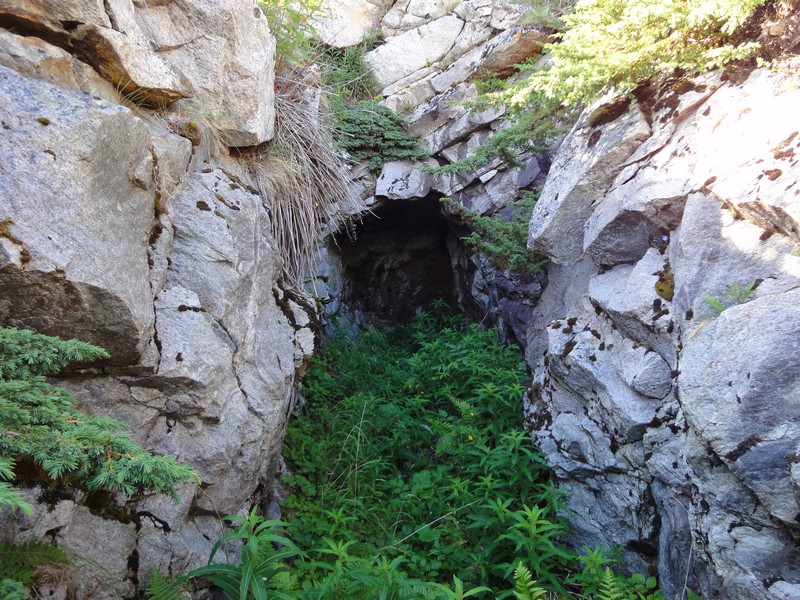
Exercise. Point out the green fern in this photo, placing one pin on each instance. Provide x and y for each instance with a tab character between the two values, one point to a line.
160	587
525	587
19	562
610	588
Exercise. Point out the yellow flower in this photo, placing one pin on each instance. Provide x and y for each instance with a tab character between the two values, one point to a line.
469	437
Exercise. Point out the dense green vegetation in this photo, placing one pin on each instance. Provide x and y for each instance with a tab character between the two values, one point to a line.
615	45
612	47
411	477
502	241
361	126
369	130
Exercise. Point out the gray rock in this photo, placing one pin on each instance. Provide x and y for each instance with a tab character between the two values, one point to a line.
63	279
111	549
133	68
580	357
713	251
585	166
500	55
345	23
731	373
440	110
642	369
459	129
78	11
627	294
717	459
409	14
226	52
403	180
407	98
33	57
414	50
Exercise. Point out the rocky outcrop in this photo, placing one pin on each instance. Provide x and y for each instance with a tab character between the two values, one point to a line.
675	427
433	52
117	231
345	23
217	57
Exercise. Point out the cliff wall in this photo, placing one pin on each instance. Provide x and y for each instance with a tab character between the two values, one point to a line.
673	421
120	232
664	346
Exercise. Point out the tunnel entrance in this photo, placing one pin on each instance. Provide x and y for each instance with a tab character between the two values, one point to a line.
398	262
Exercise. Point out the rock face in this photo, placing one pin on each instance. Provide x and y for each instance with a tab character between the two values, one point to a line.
119	232
676	427
345	23
433	52
217	56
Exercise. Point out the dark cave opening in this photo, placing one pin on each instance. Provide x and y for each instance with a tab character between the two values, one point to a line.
397	262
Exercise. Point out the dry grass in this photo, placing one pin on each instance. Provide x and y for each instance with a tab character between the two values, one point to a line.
303	182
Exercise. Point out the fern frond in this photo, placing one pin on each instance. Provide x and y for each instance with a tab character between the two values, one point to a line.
609	586
19	561
160	587
525	587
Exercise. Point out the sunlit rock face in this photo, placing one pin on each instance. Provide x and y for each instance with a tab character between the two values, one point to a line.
117	231
674	426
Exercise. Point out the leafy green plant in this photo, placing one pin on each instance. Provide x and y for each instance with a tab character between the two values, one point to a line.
345	75
255	576
160	587
19	562
734	294
504	242
544	12
50	443
291	23
369	130
612	46
409	446
263	553
411	477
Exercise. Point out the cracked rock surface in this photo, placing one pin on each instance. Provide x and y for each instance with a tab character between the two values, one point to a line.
121	233
674	427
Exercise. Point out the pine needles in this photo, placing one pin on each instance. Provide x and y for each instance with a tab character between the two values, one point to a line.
49	442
